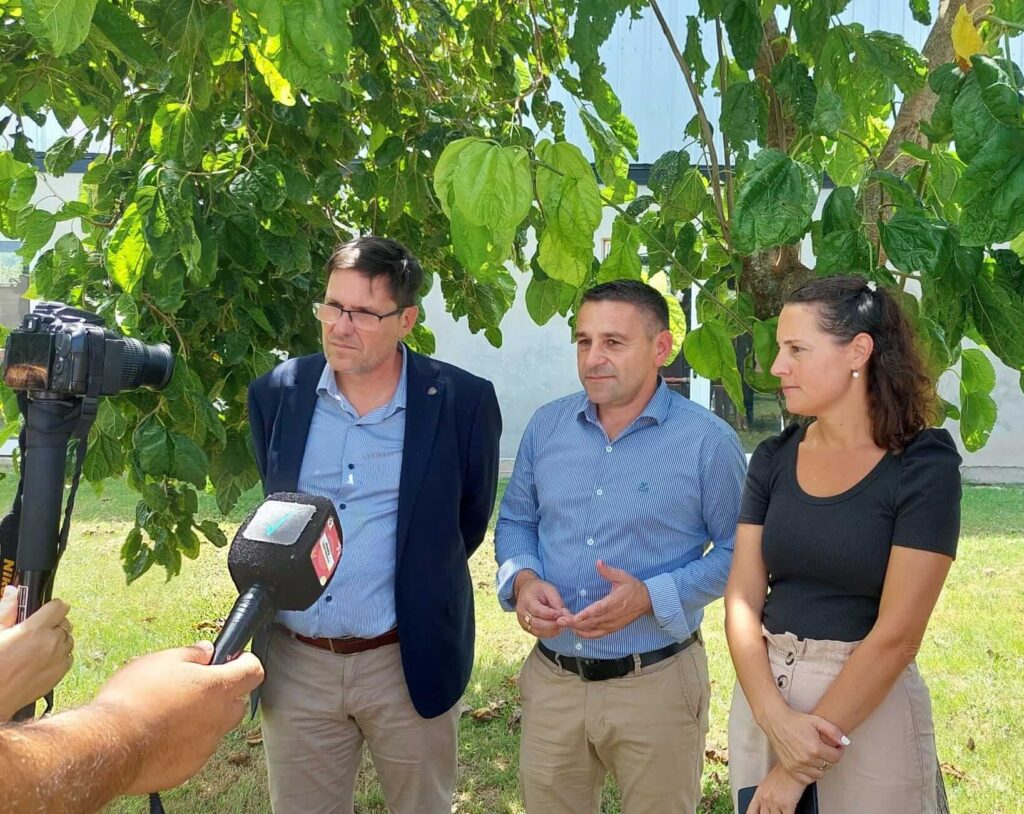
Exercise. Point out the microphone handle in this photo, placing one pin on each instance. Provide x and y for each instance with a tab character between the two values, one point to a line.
252	610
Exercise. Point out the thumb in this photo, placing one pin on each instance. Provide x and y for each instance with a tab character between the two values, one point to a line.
198	653
9	607
830	733
612	574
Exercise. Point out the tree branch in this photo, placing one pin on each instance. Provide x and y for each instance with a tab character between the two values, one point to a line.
705	127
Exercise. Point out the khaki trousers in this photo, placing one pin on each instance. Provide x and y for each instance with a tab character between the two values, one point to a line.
647	729
319	707
891	766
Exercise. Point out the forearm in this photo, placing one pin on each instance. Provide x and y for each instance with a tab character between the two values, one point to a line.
72	763
676	595
865	680
750	658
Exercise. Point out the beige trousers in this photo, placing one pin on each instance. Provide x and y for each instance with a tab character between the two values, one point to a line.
319	707
647	729
891	766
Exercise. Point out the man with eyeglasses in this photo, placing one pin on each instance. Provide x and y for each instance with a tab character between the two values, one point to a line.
407	447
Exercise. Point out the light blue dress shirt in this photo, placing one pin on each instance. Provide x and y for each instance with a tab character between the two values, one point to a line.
648	502
356	461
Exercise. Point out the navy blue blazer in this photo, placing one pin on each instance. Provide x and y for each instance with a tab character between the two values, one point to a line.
446	494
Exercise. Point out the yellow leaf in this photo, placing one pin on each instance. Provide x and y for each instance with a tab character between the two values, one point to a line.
966	40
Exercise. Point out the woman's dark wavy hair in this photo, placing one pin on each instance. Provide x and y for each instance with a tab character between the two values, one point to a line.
902	396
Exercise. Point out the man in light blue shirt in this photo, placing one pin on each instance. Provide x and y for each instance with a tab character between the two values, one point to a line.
603	552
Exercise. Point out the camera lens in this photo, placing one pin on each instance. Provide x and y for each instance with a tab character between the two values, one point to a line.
146	365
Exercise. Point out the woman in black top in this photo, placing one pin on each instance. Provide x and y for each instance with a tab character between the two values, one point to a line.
848	528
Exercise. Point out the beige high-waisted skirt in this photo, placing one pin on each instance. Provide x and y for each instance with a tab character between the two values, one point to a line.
891	766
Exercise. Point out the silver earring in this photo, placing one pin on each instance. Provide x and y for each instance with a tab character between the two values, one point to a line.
856	374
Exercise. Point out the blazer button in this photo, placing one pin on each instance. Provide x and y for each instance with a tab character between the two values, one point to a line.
431	391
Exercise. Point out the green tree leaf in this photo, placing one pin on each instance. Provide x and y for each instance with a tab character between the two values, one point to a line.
914	243
792	81
977	419
153	447
976	372
176	134
62	25
623	260
188	461
710	352
742	20
693	53
744	115
998	315
774	203
546	297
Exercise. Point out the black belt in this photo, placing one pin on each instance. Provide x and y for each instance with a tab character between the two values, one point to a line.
603	669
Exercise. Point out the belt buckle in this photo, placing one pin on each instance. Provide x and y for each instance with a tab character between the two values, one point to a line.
584	665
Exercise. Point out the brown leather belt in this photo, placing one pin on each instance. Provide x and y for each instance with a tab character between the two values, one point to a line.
350	644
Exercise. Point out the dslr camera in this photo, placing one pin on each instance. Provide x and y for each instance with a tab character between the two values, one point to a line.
64	351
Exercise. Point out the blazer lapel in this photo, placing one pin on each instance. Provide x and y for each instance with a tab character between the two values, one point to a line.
298	401
424	396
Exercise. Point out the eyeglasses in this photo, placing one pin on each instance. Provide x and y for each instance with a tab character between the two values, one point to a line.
362	320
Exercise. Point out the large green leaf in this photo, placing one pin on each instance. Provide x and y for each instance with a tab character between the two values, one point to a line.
188	461
693	53
976	371
991	190
744	115
301	45
977	419
62	25
623	260
492	185
998	315
571	205
17	185
127	252
774	203
153	446
914	243
742	20
710	352
176	134
973	123
546	297
793	84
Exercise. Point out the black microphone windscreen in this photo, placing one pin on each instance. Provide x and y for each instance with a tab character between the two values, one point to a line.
290	544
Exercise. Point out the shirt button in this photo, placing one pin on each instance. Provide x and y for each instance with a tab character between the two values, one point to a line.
590	541
608	448
790	658
351	466
579	645
782	681
600	491
328	598
341	506
583	591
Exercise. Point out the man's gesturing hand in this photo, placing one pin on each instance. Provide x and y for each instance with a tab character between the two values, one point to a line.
628	600
538	605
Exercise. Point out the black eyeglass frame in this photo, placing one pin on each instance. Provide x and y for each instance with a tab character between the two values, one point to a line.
351	314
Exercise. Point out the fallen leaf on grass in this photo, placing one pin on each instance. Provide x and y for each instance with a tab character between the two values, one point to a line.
515	720
715	755
950	770
488	713
255	737
212	625
970	744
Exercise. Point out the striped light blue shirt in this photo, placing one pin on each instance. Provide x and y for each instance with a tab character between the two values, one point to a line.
356	461
648	502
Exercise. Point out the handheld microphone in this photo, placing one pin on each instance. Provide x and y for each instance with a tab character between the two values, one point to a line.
281	559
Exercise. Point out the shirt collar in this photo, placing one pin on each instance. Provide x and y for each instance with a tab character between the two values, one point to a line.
657	408
328	386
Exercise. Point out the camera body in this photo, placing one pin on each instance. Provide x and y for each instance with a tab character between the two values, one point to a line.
65	351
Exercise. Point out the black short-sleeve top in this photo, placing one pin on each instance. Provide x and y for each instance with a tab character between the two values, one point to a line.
826	556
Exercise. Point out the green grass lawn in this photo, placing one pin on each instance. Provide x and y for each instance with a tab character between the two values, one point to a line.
973	659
